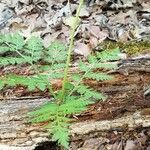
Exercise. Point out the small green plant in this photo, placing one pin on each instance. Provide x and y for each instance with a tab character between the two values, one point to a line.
74	96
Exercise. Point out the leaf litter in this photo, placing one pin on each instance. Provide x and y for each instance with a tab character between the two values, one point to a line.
120	20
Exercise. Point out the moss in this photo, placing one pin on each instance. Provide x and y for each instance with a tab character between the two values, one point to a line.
131	48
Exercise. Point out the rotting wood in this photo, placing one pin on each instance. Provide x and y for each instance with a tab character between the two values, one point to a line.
125	96
130	121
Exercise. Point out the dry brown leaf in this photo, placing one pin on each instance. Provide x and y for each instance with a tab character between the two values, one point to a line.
82	49
132	145
48	38
84	12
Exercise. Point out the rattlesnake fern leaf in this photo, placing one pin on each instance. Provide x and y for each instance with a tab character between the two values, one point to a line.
78	95
75	95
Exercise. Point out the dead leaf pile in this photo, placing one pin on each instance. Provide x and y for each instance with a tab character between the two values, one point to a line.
115	140
120	20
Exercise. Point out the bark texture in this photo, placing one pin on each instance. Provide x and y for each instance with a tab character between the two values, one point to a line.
128	106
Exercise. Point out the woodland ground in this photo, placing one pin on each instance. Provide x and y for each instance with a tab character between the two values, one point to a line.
122	122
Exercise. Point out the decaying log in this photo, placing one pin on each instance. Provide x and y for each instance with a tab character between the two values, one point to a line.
14	129
125	96
130	121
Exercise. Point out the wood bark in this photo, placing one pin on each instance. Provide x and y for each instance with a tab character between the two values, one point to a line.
127	105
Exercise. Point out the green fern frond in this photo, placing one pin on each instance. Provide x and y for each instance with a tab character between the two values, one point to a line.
84	67
55	114
14	41
34	44
32	50
43	117
56	71
58	123
21	52
56	52
92	59
14	60
95	63
55	75
75	106
88	92
49	64
57	66
32	82
60	131
99	61
49	116
98	76
76	77
4	48
48	107
108	55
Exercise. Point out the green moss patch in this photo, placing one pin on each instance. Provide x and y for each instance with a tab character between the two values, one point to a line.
131	48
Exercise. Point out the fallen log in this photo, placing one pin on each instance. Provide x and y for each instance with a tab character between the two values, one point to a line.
126	106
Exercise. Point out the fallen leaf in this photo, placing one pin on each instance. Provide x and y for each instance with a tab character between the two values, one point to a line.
82	49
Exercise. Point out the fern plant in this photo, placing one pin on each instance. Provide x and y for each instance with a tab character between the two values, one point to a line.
74	96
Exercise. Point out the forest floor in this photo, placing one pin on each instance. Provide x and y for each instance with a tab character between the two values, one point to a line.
122	122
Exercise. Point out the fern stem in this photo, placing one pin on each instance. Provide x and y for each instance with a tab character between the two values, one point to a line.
52	92
81	79
20	53
75	23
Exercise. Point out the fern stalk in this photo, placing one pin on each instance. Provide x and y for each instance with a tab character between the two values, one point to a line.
75	23
81	79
